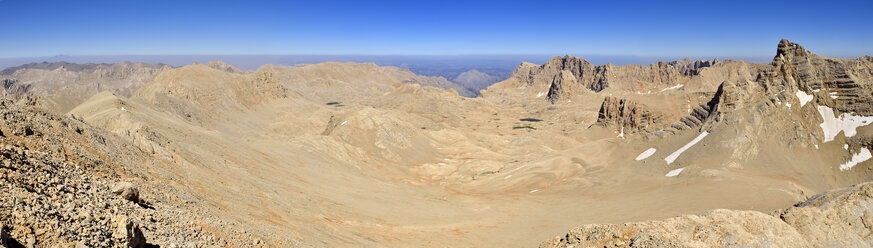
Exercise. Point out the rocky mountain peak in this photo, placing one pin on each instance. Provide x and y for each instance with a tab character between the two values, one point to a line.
790	49
219	65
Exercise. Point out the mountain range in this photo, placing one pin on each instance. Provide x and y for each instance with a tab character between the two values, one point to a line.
561	154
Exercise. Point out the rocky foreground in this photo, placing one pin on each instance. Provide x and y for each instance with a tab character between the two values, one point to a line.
67	184
837	218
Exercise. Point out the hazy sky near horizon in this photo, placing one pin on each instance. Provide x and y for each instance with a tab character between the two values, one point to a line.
646	28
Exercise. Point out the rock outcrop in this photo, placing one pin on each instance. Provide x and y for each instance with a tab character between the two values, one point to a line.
692	68
565	76
627	115
838	218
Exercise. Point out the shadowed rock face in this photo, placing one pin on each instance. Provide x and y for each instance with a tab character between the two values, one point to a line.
838	218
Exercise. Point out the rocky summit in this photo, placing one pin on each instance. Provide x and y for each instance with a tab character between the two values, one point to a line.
687	153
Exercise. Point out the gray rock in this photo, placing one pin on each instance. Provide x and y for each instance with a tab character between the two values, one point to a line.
130	234
126	190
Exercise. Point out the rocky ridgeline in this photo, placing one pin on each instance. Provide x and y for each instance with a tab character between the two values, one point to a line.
690	67
768	102
61	85
566	75
838	218
67	184
627	115
844	85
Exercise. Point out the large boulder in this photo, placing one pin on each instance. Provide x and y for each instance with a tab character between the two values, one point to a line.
126	190
129	233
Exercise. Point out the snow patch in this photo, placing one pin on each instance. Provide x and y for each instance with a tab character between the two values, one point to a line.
845	146
803	97
675	172
673	87
816	90
534	191
857	158
541	94
834	95
507	177
621	135
788	104
846	122
344	122
123	109
646	154
442	163
673	156
816	146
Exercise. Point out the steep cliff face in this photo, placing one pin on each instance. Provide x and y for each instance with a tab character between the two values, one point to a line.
838	218
627	116
799	90
844	85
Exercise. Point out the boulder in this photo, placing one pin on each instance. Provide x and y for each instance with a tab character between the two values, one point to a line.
126	190
130	234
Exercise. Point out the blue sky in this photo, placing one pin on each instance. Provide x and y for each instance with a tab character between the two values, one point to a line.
647	28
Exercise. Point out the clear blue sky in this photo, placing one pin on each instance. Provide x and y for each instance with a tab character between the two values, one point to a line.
646	28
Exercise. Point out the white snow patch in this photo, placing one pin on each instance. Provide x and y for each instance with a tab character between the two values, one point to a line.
673	156
675	172
846	122
445	159
816	90
857	158
507	177
788	104
816	146
344	122
442	163
123	109
621	135
803	97
834	95
673	87
541	94
569	100
646	154
845	146
534	191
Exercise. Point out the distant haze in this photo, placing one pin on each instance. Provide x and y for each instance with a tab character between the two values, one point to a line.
448	66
